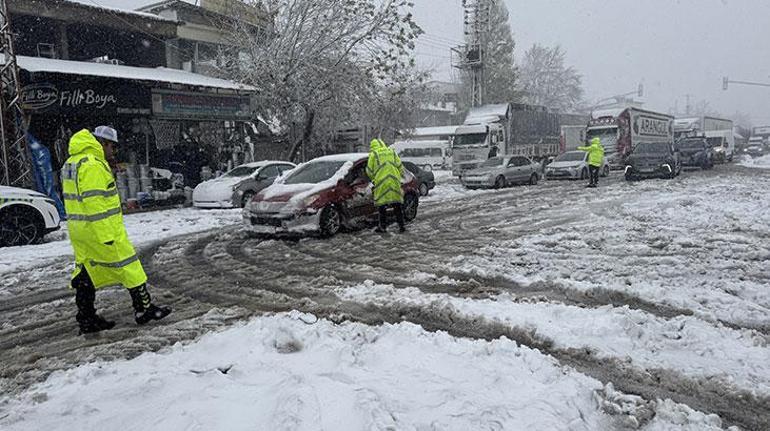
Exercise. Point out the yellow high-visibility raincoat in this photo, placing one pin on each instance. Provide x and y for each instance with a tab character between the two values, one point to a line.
385	170
595	152
95	218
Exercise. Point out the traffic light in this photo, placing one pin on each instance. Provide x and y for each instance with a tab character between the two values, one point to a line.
725	82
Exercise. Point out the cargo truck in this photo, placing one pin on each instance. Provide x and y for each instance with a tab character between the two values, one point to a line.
622	129
504	129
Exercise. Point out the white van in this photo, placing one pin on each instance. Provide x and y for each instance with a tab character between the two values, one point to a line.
428	155
723	144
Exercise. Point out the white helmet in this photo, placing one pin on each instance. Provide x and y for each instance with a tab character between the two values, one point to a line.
106	132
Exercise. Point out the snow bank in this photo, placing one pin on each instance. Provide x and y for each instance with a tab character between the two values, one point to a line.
685	344
292	371
756	162
143	229
281	373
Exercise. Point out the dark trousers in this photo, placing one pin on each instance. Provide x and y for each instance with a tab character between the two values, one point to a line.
85	296
594	174
397	208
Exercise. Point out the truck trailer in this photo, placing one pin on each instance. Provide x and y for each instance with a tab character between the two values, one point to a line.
621	129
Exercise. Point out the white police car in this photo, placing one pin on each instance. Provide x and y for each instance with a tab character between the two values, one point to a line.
25	216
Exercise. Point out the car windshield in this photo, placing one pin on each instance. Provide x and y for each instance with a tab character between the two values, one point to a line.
470	139
242	171
690	144
652	148
494	161
314	172
572	156
714	142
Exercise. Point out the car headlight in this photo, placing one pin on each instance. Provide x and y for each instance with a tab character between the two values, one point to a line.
308	201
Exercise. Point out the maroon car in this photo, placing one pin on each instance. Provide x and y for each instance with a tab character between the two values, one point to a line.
323	196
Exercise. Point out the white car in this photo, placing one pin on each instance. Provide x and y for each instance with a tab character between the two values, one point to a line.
572	165
238	186
26	216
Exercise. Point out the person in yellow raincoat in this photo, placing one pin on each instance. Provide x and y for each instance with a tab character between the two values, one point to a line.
104	255
385	170
595	152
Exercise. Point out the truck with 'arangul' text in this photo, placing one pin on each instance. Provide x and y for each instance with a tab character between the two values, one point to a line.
622	129
505	129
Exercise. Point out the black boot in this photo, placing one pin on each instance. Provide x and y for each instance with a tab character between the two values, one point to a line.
144	310
85	296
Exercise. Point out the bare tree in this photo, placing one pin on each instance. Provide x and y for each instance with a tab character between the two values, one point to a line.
545	80
322	60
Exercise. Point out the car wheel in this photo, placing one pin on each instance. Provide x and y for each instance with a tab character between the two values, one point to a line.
20	225
330	222
584	174
427	168
410	207
500	182
533	180
629	177
606	171
247	196
424	189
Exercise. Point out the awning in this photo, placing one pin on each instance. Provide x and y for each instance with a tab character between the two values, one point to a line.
160	74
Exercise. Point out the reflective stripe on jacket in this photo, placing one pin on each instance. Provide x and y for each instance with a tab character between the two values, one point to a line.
385	170
595	152
95	218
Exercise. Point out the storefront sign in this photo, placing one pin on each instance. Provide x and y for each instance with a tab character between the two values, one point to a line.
85	98
199	106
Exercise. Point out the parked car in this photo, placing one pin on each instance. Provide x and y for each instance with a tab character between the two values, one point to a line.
695	152
323	196
239	185
572	165
426	180
499	172
653	159
26	216
755	150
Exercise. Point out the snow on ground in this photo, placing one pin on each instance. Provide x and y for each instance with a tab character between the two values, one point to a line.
449	187
143	229
698	242
756	162
684	344
293	372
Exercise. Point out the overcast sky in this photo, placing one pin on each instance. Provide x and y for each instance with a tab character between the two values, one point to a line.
675	47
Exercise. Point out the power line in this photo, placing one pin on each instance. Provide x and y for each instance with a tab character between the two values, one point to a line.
140	30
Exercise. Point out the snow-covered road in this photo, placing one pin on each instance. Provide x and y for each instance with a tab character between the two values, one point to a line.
526	308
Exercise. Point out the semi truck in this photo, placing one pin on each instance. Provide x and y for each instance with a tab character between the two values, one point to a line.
504	129
719	133
621	129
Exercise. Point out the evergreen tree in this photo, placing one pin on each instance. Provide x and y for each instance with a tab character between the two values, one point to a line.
545	80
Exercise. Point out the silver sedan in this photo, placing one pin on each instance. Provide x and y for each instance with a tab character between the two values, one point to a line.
499	172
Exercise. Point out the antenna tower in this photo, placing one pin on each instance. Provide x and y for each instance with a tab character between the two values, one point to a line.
15	169
470	57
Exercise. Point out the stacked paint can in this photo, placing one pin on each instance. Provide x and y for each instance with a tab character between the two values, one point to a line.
132	180
121	182
145	179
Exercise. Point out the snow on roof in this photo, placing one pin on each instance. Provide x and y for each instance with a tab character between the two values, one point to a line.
614	112
487	113
346	157
159	74
263	163
434	131
91	5
419	144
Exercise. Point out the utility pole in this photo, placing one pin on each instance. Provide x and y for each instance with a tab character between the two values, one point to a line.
472	56
15	168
